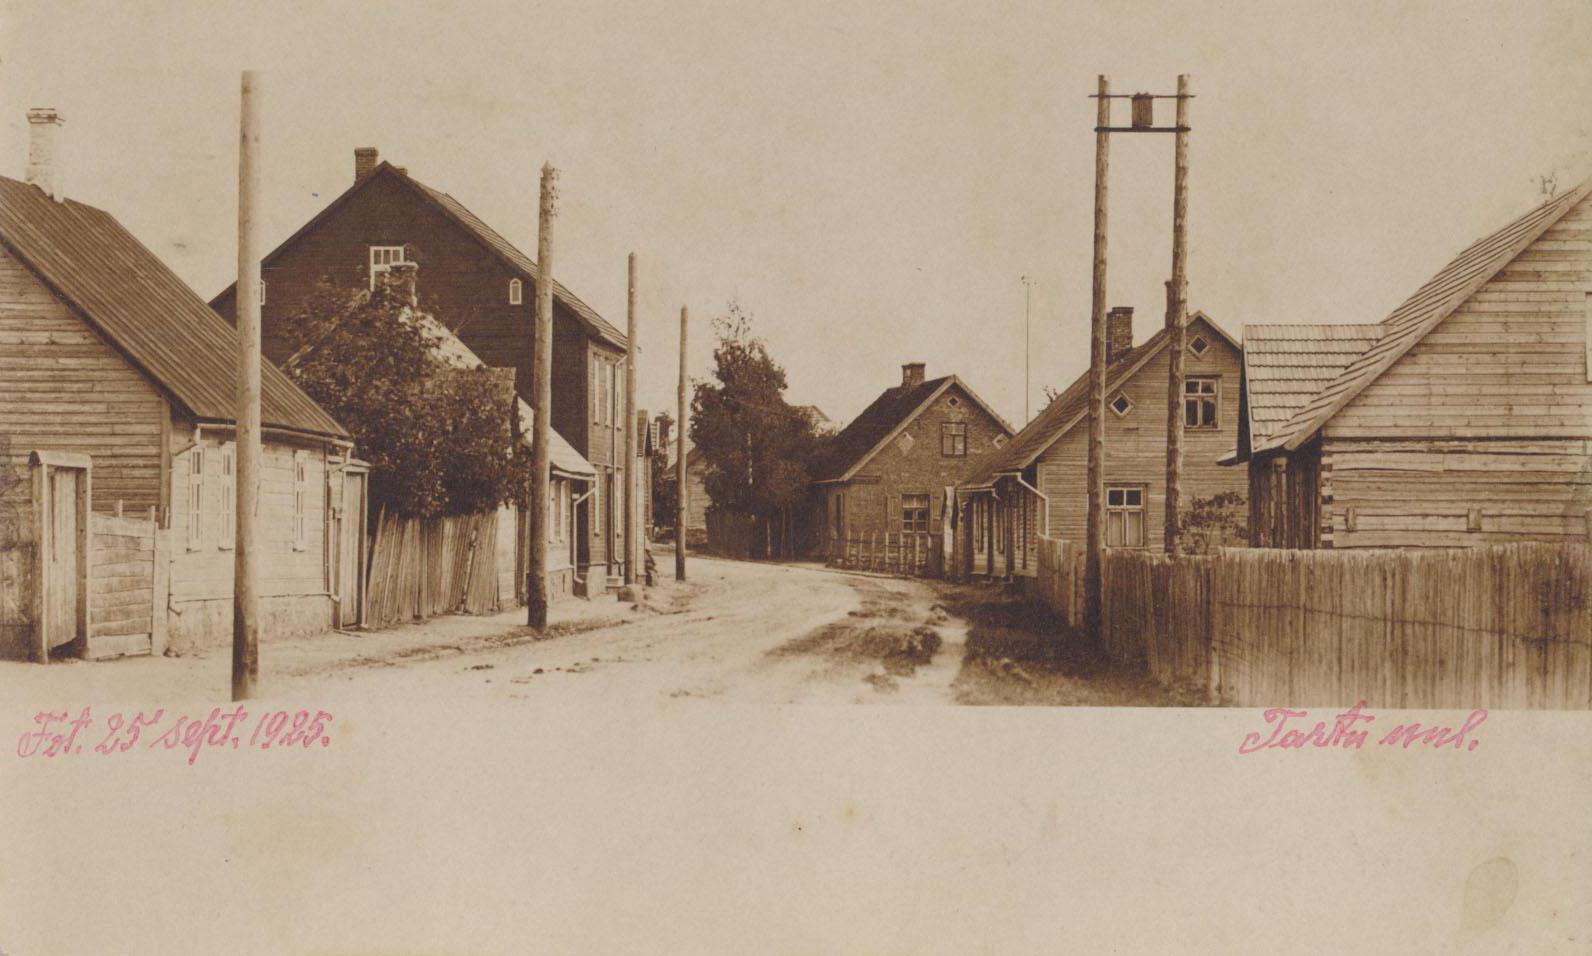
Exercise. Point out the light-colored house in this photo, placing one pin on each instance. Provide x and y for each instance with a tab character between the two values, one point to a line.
1037	483
1464	417
117	389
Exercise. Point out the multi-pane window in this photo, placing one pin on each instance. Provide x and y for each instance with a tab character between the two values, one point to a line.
516	292
226	500
196	497
382	259
953	439
596	509
596	368
914	512
1125	516
1201	403
301	495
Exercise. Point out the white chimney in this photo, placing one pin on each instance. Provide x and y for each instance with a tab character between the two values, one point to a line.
42	124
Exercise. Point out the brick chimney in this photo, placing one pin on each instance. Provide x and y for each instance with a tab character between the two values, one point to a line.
42	172
401	279
365	160
912	374
1119	332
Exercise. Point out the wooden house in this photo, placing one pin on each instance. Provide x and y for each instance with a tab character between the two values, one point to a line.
117	388
483	287
1464	417
1037	483
886	473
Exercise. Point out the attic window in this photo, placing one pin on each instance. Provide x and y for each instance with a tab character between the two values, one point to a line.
999	440
1199	345
382	259
516	292
953	401
1121	404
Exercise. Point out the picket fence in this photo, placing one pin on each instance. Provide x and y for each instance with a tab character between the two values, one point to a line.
1502	626
905	552
421	567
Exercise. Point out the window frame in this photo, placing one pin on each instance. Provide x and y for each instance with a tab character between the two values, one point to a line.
1198	398
1123	413
196	497
226	497
376	268
912	515
1124	510
516	292
953	439
301	500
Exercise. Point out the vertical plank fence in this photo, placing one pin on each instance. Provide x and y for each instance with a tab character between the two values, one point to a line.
422	567
916	553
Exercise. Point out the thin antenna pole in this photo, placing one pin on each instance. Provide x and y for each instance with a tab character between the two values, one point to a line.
1177	323
1028	390
632	438
681	491
536	590
1097	371
246	555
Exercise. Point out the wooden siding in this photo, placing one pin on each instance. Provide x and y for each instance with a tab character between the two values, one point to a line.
64	388
1286	500
1135	448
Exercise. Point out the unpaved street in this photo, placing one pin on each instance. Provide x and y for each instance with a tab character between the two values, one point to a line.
738	632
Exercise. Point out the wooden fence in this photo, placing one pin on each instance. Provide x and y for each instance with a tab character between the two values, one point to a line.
732	535
904	552
1503	626
1058	583
420	567
129	572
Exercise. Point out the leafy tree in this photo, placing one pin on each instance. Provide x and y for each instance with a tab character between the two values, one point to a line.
1215	522
437	437
665	487
756	447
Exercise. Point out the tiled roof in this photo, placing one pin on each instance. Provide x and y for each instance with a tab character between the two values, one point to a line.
1421	312
126	293
1059	417
854	442
1287	365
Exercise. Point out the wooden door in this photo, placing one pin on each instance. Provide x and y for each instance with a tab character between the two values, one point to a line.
348	545
63	584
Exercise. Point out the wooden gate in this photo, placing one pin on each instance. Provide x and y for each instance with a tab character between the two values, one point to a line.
348	558
61	499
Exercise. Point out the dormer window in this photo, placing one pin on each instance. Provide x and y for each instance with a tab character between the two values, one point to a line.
516	292
1198	346
382	258
1121	404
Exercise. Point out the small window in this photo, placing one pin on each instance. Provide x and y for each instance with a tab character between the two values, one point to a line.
1198	345
516	292
226	497
953	439
382	259
262	292
196	497
915	513
999	441
1122	404
1202	403
1125	516
954	402
301	494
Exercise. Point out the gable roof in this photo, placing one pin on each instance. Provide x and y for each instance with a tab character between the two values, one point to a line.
453	352
894	409
490	240
132	298
1420	313
1287	365
1071	406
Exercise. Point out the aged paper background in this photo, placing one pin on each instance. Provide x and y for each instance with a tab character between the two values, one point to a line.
869	181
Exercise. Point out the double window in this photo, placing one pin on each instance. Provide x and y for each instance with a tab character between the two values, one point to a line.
301	500
383	258
1125	516
1202	403
915	513
196	498
953	439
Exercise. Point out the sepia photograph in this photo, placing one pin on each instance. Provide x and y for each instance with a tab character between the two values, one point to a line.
917	477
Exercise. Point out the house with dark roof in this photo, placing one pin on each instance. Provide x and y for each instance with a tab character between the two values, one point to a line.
889	470
1037	483
483	288
117	388
1464	417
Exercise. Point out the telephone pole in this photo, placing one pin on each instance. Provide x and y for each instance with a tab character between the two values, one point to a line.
1028	288
679	465
632	436
1177	322
1097	368
536	596
246	541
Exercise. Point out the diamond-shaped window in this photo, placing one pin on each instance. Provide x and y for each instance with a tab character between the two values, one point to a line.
999	440
953	401
1199	345
1121	404
905	442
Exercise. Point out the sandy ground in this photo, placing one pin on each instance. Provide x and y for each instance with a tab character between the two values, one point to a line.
736	631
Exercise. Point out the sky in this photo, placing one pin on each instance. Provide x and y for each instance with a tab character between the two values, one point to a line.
870	181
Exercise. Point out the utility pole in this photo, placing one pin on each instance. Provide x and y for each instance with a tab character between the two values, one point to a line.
1097	369
1177	322
1028	288
632	436
542	390
679	464
246	541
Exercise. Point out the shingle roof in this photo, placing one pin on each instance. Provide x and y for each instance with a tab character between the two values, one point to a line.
126	293
1287	365
1059	417
455	353
854	443
1422	312
476	227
